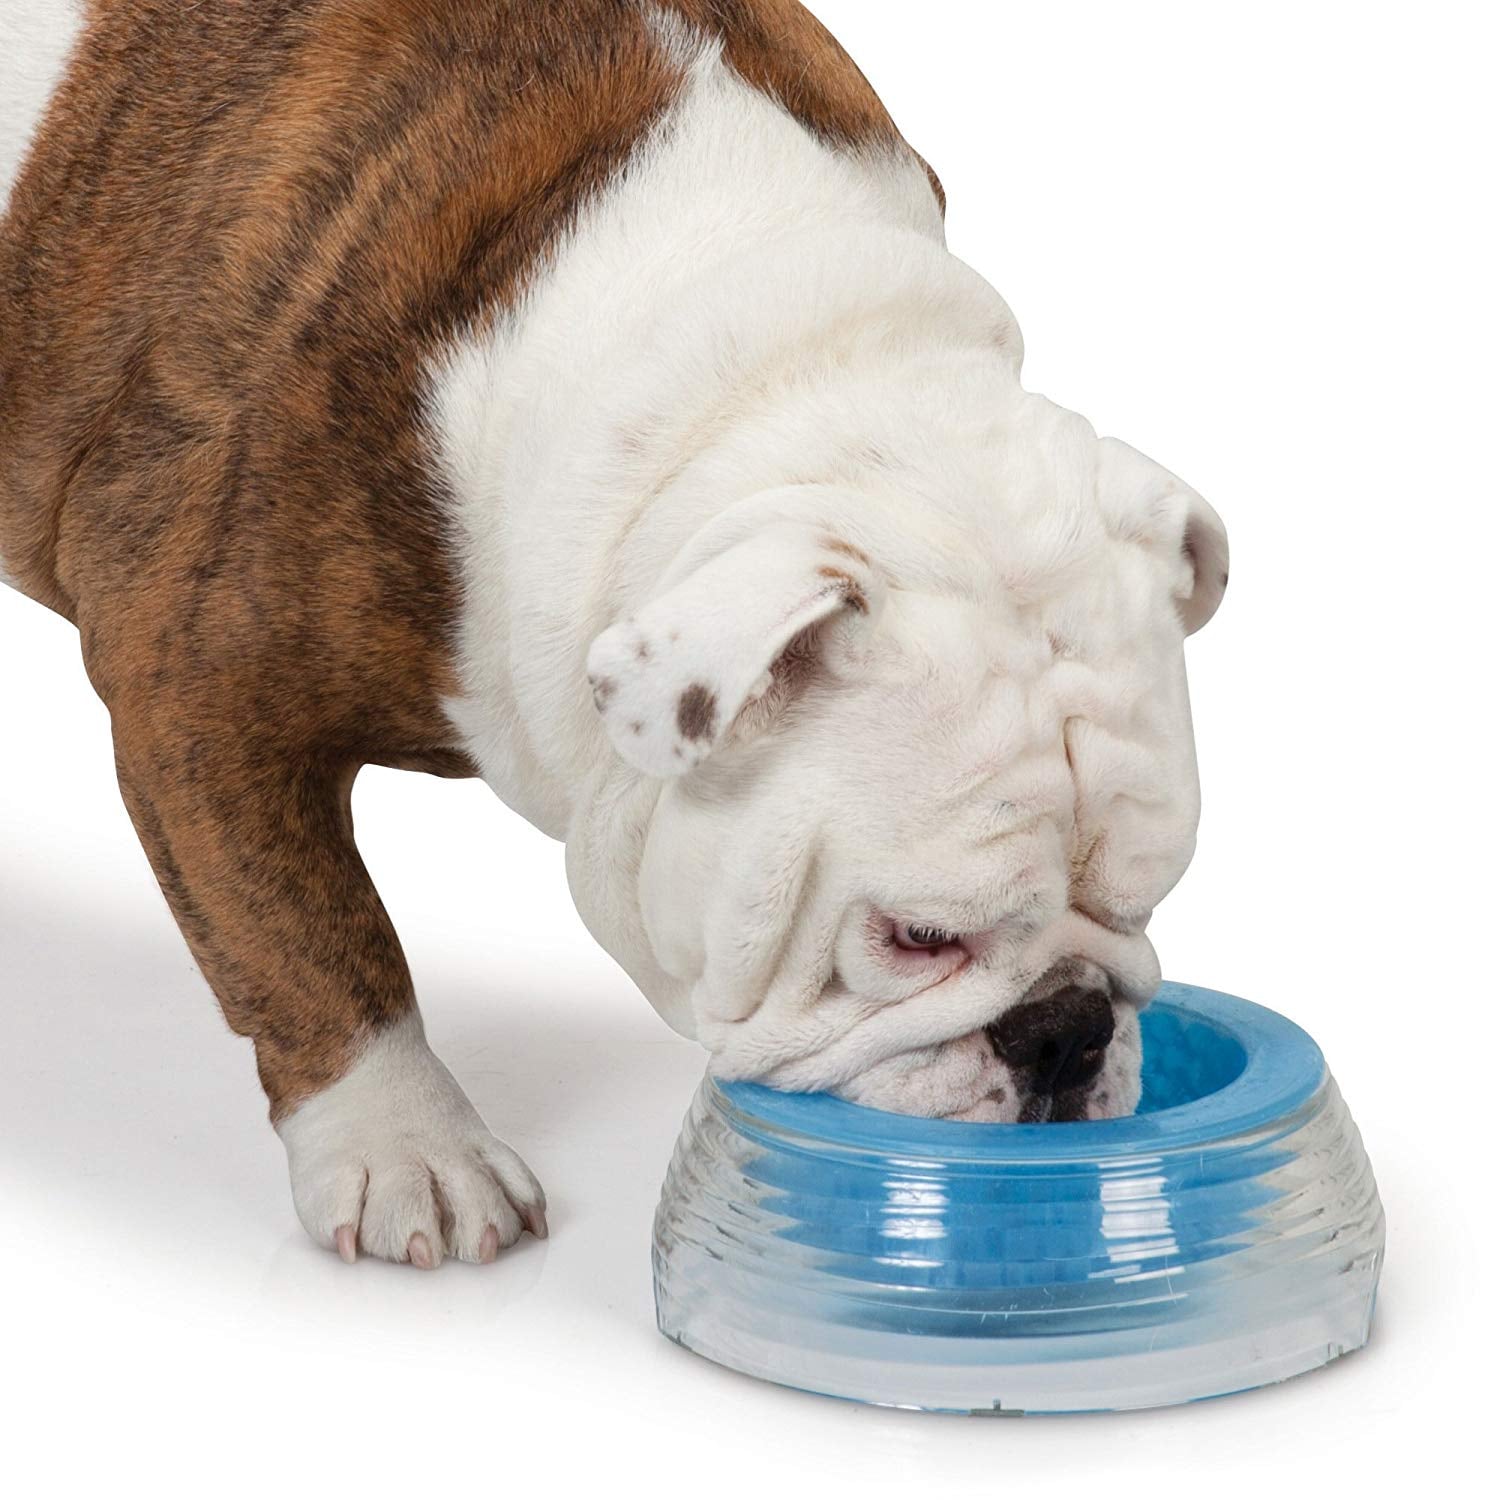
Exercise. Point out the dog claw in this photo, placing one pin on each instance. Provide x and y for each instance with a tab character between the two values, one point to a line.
393	1163
536	1221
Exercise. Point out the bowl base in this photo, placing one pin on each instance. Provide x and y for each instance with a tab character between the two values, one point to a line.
1225	1238
922	1378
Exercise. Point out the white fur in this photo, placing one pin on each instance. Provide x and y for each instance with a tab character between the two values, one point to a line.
35	39
559	423
395	1149
707	640
750	344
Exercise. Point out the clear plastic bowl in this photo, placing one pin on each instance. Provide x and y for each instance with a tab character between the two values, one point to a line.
1227	1235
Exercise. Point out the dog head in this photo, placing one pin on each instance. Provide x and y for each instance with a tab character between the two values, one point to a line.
928	768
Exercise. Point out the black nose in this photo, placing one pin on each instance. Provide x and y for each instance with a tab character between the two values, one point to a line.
1057	1043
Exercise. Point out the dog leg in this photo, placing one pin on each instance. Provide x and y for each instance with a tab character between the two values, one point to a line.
258	862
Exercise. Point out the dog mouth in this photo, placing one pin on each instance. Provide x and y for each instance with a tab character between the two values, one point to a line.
1040	1063
1056	1109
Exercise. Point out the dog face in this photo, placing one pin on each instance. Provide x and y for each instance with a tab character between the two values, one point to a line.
929	768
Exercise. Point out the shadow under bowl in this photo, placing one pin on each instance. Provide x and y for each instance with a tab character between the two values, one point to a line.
1227	1235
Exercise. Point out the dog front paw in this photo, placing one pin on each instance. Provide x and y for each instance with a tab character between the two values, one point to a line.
394	1160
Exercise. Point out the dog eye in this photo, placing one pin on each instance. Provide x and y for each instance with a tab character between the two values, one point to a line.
918	939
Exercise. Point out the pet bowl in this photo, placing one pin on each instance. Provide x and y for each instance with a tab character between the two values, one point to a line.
1227	1235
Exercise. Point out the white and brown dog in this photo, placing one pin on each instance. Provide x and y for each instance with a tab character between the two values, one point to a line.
578	394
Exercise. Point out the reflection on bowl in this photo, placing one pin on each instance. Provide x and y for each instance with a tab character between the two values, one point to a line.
1227	1235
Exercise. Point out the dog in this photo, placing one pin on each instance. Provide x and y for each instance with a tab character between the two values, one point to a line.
579	394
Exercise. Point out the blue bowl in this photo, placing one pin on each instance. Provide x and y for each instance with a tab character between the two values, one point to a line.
1227	1235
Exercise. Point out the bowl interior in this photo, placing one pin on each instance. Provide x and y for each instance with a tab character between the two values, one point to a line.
1184	1058
1214	1067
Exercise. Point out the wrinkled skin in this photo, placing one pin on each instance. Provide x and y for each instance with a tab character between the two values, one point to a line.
992	750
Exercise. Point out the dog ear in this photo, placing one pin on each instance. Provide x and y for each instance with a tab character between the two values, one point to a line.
1157	506
670	680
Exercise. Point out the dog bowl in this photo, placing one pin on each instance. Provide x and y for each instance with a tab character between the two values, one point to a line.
1226	1236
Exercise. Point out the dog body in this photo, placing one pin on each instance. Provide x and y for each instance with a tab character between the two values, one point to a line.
580	395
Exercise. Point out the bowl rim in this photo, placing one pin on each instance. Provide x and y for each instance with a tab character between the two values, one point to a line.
1284	1070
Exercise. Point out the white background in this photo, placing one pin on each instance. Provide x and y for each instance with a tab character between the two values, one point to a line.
1257	242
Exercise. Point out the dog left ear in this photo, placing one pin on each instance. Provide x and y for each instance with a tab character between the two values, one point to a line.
670	680
1155	504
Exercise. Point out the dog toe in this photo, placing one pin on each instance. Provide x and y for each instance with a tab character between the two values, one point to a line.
394	1161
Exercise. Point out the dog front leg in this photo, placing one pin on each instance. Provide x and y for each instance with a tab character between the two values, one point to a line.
258	863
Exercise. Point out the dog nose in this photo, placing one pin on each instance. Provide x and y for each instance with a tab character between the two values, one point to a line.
1057	1043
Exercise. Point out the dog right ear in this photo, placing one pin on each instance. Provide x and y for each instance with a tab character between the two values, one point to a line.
1167	514
670	680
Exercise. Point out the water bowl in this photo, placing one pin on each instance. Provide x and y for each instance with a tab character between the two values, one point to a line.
1227	1235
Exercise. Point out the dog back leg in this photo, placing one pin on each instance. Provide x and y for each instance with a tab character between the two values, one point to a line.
255	853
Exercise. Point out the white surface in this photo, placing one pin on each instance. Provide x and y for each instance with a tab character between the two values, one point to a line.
1293	303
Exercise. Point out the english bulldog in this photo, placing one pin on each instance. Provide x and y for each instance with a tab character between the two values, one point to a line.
579	394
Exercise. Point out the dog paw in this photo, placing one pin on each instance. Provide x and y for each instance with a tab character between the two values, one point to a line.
394	1160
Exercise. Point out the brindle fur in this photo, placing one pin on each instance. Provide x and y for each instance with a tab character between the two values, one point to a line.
243	232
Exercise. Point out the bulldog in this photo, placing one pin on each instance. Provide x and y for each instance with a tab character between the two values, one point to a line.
580	395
